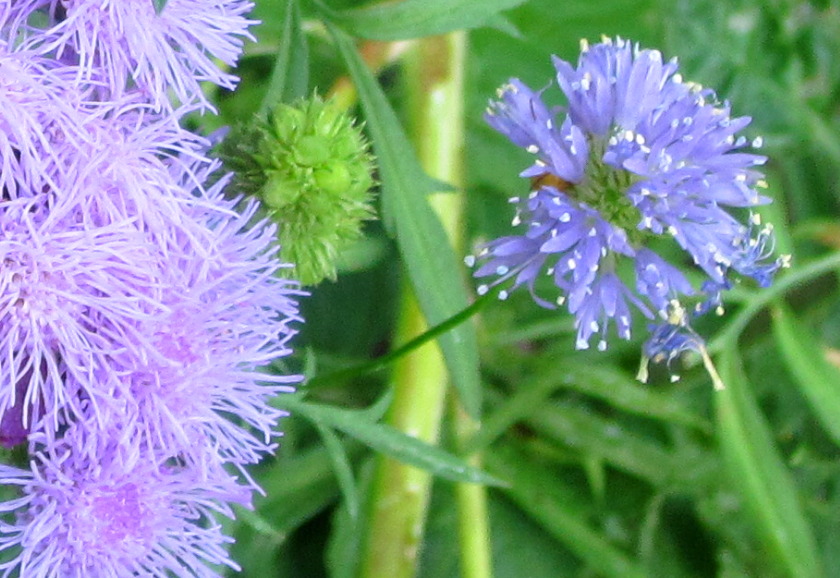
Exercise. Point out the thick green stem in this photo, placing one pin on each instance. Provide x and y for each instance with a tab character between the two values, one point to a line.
400	494
473	517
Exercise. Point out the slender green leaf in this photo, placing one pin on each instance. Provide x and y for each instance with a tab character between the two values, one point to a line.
388	440
417	18
594	435
536	491
344	547
290	76
759	475
623	392
818	380
342	468
429	258
159	5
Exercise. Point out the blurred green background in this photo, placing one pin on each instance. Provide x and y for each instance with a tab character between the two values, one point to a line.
605	476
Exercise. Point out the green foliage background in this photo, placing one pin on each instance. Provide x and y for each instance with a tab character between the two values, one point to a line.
595	474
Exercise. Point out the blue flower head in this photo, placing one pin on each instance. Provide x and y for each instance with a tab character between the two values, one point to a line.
636	153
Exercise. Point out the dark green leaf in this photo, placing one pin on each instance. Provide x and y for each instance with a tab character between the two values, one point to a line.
290	76
388	440
344	548
605	438
342	468
159	5
429	258
534	489
417	18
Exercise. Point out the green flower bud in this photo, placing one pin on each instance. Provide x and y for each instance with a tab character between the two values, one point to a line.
310	166
333	177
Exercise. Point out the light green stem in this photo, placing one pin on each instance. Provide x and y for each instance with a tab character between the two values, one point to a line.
473	518
400	494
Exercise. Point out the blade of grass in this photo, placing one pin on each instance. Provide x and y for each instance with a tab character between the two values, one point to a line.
759	475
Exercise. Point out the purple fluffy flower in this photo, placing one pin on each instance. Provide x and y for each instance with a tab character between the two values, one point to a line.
140	309
70	296
128	352
124	514
36	113
225	315
127	44
635	154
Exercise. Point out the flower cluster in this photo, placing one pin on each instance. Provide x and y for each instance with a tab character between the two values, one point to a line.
635	154
138	303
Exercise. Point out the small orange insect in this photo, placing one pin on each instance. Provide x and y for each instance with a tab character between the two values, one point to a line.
550	180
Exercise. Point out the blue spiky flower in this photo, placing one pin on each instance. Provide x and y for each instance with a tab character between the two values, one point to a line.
636	153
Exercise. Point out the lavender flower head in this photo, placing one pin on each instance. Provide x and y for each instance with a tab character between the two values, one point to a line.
127	44
636	154
124	514
225	314
139	304
36	110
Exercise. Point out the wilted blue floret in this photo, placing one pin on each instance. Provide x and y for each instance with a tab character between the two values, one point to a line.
635	153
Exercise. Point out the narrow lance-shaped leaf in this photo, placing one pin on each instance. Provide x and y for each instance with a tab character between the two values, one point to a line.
759	475
342	468
389	441
290	76
429	258
817	379
417	18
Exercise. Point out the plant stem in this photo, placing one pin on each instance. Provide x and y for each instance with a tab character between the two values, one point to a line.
473	517
400	494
